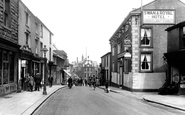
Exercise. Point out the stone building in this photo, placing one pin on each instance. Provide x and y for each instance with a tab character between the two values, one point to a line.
138	45
105	68
9	47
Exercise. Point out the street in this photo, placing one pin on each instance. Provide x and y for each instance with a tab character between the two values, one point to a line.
85	101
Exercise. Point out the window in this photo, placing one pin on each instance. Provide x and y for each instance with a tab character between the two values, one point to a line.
146	37
146	62
123	29
11	67
27	39
119	48
36	46
113	51
41	46
7	13
41	31
113	67
126	27
27	18
5	67
50	38
37	28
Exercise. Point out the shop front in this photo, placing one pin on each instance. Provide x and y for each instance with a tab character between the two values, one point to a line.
176	72
25	66
8	66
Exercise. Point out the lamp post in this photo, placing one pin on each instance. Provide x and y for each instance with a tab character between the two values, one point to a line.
45	69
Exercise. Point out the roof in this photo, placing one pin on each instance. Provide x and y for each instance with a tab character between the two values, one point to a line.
181	24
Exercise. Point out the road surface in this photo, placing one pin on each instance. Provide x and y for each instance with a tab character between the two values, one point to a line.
85	101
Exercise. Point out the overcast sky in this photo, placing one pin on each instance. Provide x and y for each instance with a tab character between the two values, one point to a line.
78	25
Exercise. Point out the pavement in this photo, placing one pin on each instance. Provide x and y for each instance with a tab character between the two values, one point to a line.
173	101
25	102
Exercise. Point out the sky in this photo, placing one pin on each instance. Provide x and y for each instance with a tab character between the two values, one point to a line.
83	27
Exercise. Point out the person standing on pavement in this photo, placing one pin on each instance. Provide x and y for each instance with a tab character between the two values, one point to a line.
106	86
37	82
50	79
31	83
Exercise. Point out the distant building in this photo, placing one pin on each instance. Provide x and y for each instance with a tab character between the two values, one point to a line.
85	68
105	68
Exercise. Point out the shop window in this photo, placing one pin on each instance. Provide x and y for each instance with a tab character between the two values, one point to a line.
5	67
146	62
11	56
146	37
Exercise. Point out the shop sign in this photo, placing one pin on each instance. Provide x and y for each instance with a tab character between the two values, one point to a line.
23	63
158	16
127	42
120	55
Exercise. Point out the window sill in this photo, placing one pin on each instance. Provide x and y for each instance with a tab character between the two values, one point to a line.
27	25
150	71
145	46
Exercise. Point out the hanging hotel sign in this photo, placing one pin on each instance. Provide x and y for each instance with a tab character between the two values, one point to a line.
158	16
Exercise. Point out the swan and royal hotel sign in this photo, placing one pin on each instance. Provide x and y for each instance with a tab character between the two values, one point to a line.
159	16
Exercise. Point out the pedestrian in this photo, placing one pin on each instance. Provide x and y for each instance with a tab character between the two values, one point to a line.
106	86
31	83
37	82
51	80
27	82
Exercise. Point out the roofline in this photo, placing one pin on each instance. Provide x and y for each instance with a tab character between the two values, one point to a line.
105	54
181	24
131	13
36	18
43	24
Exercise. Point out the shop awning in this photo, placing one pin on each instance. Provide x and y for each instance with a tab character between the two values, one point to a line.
67	72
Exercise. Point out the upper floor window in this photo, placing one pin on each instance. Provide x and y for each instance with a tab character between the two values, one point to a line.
113	51
41	46
7	13
146	37
36	46
50	38
37	27
27	18
119	48
41	31
27	39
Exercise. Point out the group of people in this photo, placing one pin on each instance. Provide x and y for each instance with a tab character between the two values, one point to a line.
30	83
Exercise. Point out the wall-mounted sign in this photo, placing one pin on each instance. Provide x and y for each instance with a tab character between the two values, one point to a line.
161	16
127	42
